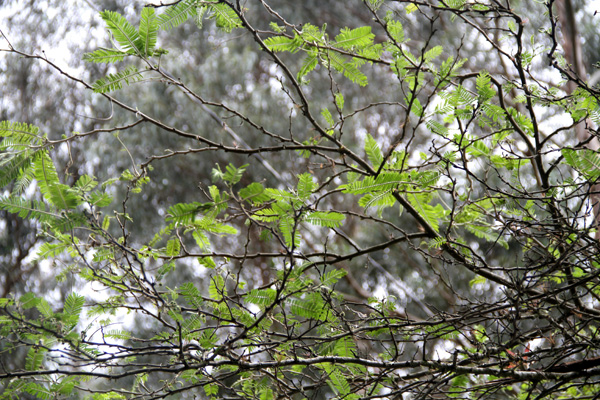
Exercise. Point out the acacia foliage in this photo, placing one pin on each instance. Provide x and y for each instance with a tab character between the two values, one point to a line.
492	175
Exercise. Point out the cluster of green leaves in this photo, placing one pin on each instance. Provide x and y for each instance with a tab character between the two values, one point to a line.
48	330
318	48
141	42
225	317
26	157
284	210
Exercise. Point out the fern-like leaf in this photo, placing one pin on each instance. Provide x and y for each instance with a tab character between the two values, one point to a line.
185	213
211	225
324	218
309	64
306	185
431	214
330	278
487	233
359	37
373	151
39	391
283	43
290	232
51	250
17	135
433	53
484	89
261	297
73	306
104	55
313	307
35	358
124	33
148	30
19	169
381	200
177	14
348	69
384	181
216	288
59	195
191	294
225	17
396	31
586	161
255	193
30	209
114	82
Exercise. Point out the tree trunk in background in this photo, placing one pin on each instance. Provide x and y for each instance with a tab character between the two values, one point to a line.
574	55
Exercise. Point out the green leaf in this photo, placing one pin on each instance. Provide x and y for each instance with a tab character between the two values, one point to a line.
100	199
212	225
113	82
66	386
173	247
29	300
104	55
59	195
35	358
358	37
225	17
74	305
312	307
148	30
123	32
255	193
383	182
338	382
477	280
586	161
327	219
207	262
216	288
191	294
211	389
484	89
177	14
432	214
234	174
306	185
380	199
373	151
186	213
117	334
290	232
339	100
284	43
410	8
347	68
201	239
44	308
39	391
487	233
308	64
396	31
261	297
30	209
327	115
478	149
433	53
332	277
